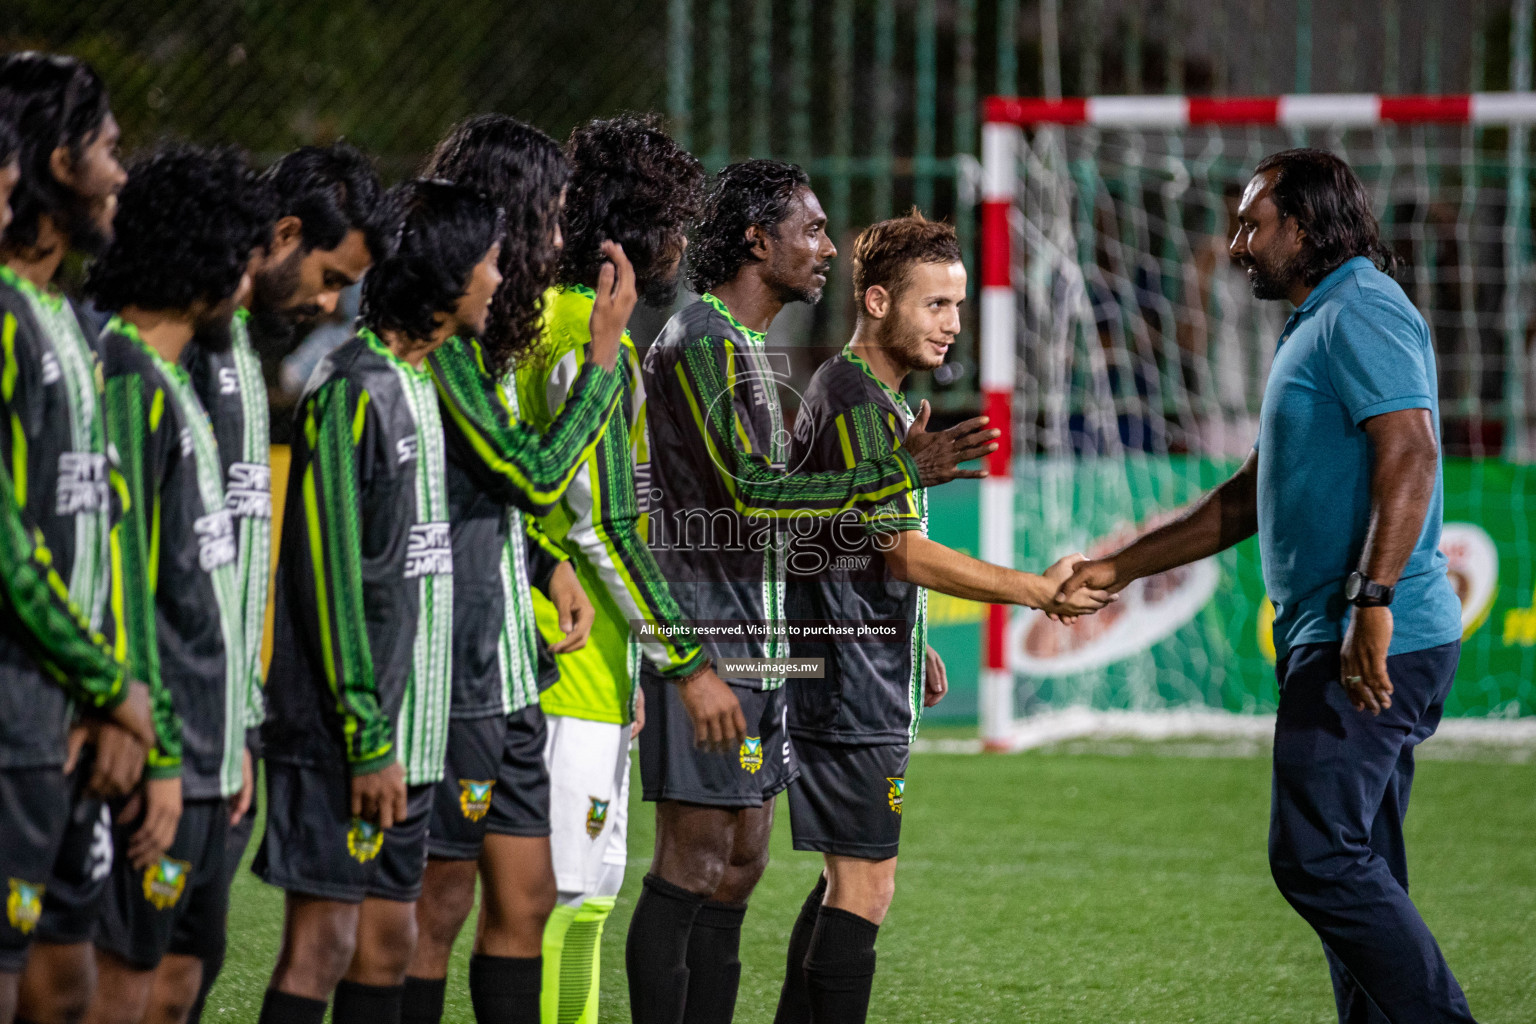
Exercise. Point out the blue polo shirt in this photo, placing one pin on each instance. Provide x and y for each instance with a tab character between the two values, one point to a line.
1356	348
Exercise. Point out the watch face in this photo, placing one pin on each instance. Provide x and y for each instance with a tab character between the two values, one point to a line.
1352	586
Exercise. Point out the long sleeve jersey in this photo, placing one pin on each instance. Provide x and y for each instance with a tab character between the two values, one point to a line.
362	658
721	485
181	607
501	471
600	522
873	690
57	628
232	389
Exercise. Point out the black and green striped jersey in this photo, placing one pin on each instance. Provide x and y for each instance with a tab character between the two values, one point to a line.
600	522
362	659
500	468
873	690
57	624
233	391
723	493
181	605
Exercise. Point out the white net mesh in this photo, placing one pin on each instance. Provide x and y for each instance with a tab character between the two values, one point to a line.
1141	361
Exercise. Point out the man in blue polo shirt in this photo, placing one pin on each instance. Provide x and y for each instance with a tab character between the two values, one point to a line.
1344	490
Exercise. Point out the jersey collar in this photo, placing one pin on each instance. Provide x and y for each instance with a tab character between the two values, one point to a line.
120	326
899	397
21	284
376	343
721	308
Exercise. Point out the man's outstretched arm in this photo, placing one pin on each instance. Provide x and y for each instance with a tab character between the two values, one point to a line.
913	558
1223	517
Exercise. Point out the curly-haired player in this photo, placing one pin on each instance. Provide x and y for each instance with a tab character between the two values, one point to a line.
187	224
491	810
718	461
629	181
358	693
62	178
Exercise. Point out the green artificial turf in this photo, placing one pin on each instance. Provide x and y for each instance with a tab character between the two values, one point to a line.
1048	887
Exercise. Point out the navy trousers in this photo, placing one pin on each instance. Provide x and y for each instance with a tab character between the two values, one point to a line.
1339	796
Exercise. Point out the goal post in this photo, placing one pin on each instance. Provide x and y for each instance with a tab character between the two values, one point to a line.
1123	359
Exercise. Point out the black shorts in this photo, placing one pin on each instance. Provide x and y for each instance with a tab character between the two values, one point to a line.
180	903
495	781
83	867
313	846
34	808
672	768
847	801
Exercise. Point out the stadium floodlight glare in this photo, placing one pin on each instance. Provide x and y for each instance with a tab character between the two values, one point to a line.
1124	359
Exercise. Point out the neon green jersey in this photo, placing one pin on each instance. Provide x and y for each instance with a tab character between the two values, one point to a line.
600	523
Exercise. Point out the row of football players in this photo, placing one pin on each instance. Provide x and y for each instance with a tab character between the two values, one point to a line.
476	444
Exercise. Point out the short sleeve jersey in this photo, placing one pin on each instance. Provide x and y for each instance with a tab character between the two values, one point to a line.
872	690
361	664
1356	348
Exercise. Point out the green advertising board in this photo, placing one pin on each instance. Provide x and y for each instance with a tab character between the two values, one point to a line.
1200	635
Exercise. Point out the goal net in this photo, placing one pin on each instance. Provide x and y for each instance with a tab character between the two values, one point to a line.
1128	358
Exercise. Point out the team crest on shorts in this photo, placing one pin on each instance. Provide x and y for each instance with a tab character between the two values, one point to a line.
597	816
475	798
752	753
164	882
24	905
893	795
364	840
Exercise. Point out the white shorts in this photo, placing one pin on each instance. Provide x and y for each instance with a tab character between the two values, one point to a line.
589	799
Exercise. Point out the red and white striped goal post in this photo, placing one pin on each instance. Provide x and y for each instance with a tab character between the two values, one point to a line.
1003	117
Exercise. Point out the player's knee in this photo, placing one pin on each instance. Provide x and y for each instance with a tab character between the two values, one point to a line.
316	956
443	908
177	981
58	982
384	953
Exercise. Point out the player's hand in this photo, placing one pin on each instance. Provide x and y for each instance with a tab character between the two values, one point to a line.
639	722
162	814
379	797
718	724
241	804
134	714
1084	600
1363	659
935	678
119	762
80	733
938	455
615	301
574	608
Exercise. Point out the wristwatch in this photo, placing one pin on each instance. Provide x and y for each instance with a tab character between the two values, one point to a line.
1361	592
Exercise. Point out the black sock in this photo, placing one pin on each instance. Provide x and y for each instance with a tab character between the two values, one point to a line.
423	1000
213	963
656	951
794	1001
505	989
714	967
286	1008
840	967
366	1004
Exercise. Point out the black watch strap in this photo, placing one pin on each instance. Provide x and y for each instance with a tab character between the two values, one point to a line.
1362	592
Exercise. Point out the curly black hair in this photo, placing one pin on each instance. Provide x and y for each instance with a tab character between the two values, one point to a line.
753	192
442	231
332	190
630	184
187	222
522	169
1329	203
52	101
10	143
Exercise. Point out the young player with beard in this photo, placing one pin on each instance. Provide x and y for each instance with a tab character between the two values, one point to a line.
853	729
491	810
56	565
325	234
718	459
186	227
633	184
358	695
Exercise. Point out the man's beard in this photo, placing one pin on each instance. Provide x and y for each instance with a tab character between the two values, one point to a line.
903	342
660	292
78	222
1276	283
274	324
810	294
